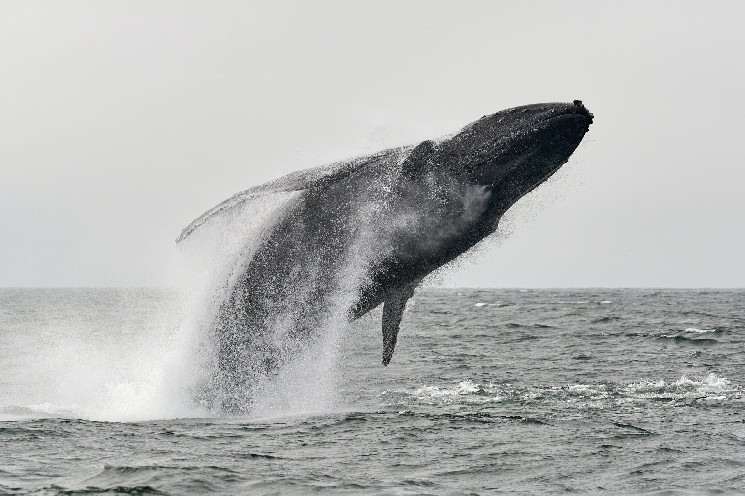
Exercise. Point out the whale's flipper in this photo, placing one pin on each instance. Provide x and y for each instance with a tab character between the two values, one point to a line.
317	177
393	309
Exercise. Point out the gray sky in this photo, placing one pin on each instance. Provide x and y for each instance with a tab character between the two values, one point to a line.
120	122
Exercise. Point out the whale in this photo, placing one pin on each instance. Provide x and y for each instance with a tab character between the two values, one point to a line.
365	232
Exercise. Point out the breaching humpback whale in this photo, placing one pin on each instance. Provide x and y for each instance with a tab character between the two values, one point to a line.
365	232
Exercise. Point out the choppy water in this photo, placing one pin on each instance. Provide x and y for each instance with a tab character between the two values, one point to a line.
631	391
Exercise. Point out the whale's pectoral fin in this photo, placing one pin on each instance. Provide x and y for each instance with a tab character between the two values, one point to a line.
393	310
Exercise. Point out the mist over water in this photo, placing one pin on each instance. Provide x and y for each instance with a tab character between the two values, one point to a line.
105	354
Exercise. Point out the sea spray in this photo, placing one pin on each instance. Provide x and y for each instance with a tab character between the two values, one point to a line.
115	363
285	359
152	369
308	381
98	354
213	257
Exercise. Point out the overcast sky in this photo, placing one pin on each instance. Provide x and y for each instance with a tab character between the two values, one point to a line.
120	122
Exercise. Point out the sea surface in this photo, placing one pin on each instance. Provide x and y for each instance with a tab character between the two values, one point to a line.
489	391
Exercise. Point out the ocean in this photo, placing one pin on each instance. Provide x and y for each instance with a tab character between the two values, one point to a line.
489	391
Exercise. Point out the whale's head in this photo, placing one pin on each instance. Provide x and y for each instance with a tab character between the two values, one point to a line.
515	150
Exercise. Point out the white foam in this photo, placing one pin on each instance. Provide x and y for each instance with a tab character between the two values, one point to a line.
582	388
710	387
700	331
711	383
467	391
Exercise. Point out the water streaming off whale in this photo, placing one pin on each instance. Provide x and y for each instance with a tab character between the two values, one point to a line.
219	254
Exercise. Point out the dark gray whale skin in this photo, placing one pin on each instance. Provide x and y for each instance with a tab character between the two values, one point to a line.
366	231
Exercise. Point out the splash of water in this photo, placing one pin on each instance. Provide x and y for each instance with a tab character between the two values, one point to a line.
173	370
101	354
284	306
127	355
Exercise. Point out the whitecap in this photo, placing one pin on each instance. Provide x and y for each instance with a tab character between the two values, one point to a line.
712	383
579	387
711	387
466	387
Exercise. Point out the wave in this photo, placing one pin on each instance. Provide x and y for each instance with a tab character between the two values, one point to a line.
514	325
606	319
711	387
691	340
467	392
